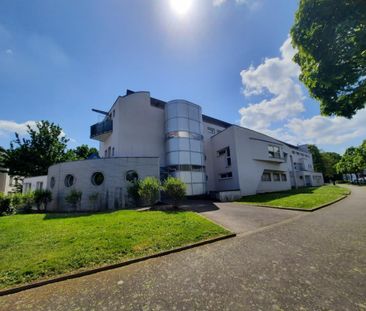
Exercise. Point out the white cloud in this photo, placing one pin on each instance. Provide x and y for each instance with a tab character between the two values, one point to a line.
252	4
278	77
328	130
218	2
9	51
10	127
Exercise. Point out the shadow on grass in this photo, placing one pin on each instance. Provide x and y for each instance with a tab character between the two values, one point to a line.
266	197
61	215
188	205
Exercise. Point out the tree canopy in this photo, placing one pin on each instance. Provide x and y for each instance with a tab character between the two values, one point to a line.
353	160
44	146
325	162
317	158
331	40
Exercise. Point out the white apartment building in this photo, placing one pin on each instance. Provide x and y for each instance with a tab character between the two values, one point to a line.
142	136
209	155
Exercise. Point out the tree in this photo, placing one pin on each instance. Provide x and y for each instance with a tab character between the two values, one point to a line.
330	160
84	151
32	156
352	162
149	189
317	158
46	145
175	189
331	40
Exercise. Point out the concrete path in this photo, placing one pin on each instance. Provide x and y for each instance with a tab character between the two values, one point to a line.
241	218
316	261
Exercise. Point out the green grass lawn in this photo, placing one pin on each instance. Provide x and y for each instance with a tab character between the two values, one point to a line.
302	198
39	246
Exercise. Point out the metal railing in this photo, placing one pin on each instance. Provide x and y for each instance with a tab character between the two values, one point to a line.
101	128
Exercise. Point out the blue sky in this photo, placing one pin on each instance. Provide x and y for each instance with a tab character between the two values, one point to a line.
59	59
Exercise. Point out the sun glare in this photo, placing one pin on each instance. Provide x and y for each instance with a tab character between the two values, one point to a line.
180	7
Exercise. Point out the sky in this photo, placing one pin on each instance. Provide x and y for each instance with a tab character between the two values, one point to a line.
60	59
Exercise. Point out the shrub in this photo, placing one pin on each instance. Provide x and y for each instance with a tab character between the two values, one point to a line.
133	191
17	200
149	190
42	198
175	189
93	198
74	198
28	201
5	205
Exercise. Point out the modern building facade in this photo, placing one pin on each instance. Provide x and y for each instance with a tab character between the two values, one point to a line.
209	155
102	182
142	136
34	183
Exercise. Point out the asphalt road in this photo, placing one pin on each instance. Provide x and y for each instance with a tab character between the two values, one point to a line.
315	261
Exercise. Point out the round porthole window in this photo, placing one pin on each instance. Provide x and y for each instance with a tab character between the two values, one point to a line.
97	178
132	176
52	182
69	180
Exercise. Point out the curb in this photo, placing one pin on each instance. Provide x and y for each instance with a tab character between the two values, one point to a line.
113	266
304	210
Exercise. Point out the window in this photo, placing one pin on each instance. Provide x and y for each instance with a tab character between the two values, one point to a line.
225	151
283	177
69	180
97	178
211	130
274	152
132	176
27	187
39	185
226	175
52	182
113	152
221	152
266	176
109	151
114	113
276	177
183	134
228	160
105	153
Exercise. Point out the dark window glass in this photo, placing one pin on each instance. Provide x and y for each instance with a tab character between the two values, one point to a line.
69	180
97	178
132	176
52	182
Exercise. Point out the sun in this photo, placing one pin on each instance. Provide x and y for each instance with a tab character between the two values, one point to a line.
180	7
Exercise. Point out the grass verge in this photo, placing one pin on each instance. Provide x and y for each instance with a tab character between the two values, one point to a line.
302	198
41	246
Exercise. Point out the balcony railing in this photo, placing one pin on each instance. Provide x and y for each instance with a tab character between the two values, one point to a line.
100	131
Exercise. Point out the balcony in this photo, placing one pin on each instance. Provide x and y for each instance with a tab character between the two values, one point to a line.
102	130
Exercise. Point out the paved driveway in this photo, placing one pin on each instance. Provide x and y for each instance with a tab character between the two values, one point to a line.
313	262
241	218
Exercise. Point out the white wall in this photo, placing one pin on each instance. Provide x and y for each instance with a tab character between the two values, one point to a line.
8	183
34	183
112	192
249	159
138	128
